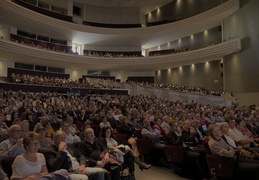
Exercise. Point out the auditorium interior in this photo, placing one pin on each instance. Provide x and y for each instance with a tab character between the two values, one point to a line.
198	54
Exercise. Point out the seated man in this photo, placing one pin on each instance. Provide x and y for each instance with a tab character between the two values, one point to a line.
70	137
13	145
219	147
235	134
61	155
98	153
189	133
157	145
175	138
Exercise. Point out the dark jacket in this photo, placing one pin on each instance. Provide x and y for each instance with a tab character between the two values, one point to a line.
174	139
93	151
56	159
189	137
127	129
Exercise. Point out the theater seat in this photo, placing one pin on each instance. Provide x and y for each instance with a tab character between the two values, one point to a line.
174	154
7	165
144	146
121	138
219	166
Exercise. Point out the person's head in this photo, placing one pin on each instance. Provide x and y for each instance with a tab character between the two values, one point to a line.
46	123
15	131
104	120
42	132
58	137
146	122
106	132
186	124
70	119
25	125
31	142
166	118
89	134
157	121
195	123
231	122
224	127
214	131
240	123
65	127
173	125
124	120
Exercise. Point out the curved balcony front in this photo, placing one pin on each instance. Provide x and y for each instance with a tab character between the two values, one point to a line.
16	52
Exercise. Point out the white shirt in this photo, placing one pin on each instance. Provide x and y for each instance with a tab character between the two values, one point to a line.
22	167
75	164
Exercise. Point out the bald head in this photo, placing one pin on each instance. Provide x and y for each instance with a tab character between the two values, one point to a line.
58	137
15	131
89	134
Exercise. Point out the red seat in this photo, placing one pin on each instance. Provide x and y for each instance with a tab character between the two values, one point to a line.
121	138
175	154
219	166
79	124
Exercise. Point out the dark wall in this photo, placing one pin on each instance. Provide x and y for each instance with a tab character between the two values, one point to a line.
148	79
199	40
206	75
241	70
181	9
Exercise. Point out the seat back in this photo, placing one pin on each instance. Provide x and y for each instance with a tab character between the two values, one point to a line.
138	133
206	147
121	138
175	154
165	139
144	146
219	166
7	165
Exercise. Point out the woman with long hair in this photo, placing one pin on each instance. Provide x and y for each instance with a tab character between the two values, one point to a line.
129	156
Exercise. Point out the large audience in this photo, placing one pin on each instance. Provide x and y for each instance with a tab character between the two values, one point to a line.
53	81
181	88
67	129
65	82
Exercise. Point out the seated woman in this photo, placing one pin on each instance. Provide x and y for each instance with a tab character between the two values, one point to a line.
30	164
129	157
25	128
127	128
45	141
157	125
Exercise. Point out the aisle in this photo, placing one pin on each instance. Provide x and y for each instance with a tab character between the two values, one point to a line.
157	173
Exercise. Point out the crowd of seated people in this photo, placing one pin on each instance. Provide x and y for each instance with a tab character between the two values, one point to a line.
176	87
41	44
79	119
112	54
53	81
